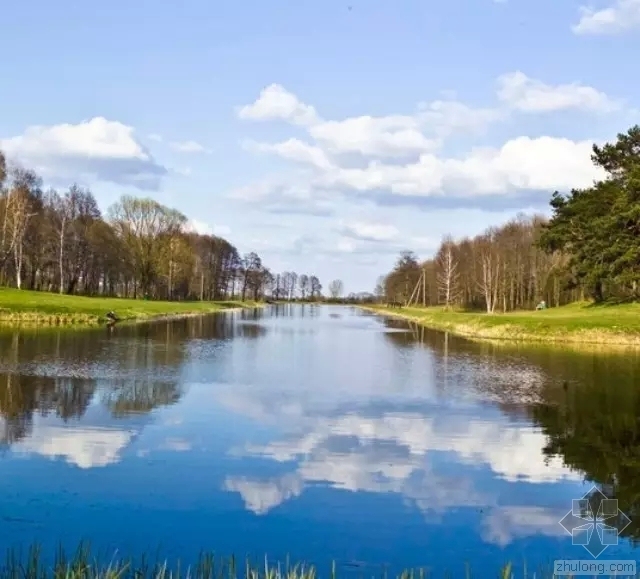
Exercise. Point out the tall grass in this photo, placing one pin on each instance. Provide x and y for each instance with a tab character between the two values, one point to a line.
81	565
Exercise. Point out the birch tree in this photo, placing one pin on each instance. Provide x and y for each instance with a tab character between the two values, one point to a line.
447	275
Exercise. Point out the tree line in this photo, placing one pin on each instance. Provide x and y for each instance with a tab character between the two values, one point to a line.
62	242
588	249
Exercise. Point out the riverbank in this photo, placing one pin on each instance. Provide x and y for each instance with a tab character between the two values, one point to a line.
580	323
23	307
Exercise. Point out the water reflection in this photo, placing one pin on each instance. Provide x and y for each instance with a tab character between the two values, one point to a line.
316	432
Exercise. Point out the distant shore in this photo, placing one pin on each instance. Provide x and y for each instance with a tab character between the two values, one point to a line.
581	323
32	308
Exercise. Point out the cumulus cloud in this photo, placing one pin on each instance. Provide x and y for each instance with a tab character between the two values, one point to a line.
400	159
621	16
275	102
339	438
202	228
294	150
393	136
520	165
287	195
369	231
85	447
504	524
392	454
97	149
261	496
189	147
525	94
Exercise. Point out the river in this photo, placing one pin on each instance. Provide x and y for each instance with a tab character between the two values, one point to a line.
317	433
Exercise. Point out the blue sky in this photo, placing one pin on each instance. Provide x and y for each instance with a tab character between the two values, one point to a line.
328	135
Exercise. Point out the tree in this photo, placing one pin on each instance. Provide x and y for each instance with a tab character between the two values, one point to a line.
599	227
447	274
303	283
315	287
251	273
19	209
145	227
60	242
336	288
400	283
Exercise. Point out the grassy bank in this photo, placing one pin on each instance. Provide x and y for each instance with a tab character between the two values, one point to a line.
576	323
84	565
22	307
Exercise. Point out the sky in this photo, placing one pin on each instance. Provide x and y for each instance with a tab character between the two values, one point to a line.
329	135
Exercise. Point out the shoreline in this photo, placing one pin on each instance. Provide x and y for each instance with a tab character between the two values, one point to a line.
24	308
505	328
37	320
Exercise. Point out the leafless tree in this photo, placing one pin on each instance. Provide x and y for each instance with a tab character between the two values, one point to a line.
447	275
336	288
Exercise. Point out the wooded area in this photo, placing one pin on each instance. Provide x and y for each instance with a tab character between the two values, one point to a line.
61	242
588	249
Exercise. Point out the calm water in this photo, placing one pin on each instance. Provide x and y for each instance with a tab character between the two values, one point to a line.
315	432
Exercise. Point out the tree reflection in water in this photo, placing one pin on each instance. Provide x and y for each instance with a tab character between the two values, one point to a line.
586	403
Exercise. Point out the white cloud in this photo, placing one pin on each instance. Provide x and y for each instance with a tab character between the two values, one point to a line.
262	496
289	194
504	524
369	231
155	137
221	230
400	154
394	452
544	163
620	16
295	150
525	94
346	246
176	445
445	118
87	447
202	228
189	147
393	136
97	149
275	102
512	452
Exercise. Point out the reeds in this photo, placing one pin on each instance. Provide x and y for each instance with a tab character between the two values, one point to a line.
81	565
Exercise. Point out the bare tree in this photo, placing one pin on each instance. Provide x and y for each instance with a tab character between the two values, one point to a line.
336	288
447	275
315	287
303	283
490	270
20	210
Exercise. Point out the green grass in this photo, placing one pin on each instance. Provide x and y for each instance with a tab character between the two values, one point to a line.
577	323
20	307
81	565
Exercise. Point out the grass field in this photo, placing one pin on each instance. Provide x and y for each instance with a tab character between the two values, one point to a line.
18	307
82	565
577	323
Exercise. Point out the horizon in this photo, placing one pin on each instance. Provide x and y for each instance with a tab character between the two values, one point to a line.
327	138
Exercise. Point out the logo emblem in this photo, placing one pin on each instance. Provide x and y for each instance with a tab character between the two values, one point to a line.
595	522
